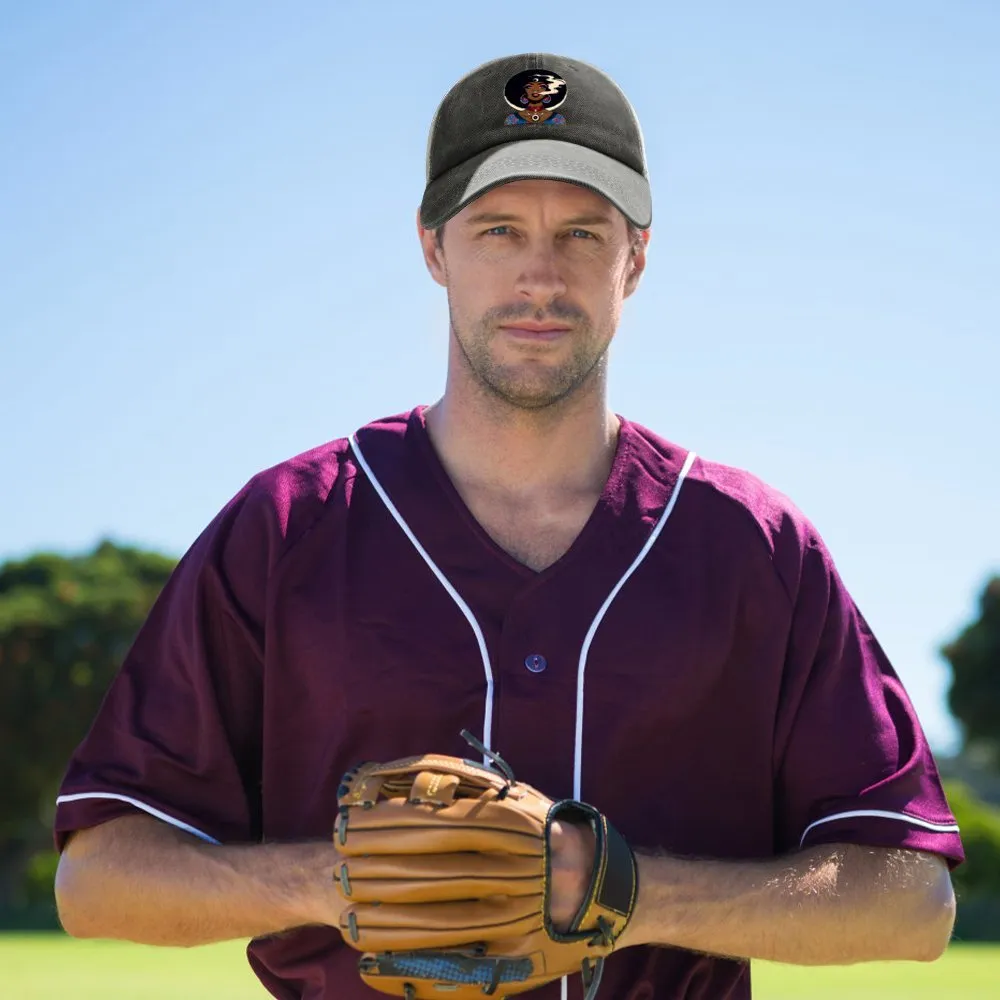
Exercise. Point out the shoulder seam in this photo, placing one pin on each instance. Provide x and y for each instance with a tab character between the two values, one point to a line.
322	498
291	544
757	527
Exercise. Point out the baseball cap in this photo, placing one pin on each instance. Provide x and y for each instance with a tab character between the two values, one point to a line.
536	115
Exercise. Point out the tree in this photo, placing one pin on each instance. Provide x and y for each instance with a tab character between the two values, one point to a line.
66	623
974	695
977	882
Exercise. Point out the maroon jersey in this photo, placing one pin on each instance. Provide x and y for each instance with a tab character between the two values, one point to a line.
346	606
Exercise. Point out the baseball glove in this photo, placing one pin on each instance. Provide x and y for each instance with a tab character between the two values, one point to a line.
445	874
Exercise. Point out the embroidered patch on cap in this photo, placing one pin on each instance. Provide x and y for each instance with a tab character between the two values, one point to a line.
535	94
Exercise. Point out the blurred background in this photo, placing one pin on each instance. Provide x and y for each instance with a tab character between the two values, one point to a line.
208	264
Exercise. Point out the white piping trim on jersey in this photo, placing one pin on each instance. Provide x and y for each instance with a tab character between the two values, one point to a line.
446	583
599	617
883	814
145	807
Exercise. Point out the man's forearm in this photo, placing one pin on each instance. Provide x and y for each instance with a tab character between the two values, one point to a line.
833	905
137	879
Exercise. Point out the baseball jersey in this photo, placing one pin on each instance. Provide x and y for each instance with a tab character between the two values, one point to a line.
693	666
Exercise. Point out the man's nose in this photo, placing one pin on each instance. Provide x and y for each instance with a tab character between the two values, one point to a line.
541	278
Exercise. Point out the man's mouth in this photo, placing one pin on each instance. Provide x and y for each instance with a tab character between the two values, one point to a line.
535	331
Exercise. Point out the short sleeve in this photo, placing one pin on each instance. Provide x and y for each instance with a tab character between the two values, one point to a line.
852	762
178	732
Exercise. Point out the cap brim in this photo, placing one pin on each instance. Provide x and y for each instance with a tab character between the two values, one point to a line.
541	159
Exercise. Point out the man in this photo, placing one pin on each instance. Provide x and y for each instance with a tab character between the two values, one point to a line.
597	603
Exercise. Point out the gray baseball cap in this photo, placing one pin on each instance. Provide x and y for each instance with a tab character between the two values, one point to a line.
536	115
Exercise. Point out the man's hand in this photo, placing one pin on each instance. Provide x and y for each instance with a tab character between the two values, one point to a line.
574	849
457	877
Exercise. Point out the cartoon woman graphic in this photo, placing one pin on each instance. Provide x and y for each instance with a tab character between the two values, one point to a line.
534	95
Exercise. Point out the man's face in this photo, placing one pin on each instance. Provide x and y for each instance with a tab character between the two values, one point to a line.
536	273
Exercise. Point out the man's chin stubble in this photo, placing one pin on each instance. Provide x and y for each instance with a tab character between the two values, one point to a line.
512	393
533	395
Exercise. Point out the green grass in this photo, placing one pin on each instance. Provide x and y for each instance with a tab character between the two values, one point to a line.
48	966
53	966
966	972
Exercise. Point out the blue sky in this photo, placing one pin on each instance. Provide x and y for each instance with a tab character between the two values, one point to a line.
208	261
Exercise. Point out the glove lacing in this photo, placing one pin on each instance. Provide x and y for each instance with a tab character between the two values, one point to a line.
508	771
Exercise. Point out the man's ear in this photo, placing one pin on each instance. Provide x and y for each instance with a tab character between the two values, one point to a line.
432	253
637	263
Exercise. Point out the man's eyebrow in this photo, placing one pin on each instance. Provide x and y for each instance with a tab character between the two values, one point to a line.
498	217
590	220
475	220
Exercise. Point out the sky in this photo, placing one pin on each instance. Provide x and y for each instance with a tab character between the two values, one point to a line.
209	262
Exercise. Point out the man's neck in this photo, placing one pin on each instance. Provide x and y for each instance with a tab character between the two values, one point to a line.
524	454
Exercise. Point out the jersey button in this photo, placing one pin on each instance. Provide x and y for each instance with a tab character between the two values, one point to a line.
535	662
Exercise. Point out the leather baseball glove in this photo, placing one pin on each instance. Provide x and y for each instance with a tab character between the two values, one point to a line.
445	872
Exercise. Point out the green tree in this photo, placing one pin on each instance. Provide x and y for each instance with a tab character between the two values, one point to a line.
66	623
980	827
977	882
974	695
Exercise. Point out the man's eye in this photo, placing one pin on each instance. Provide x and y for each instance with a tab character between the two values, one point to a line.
497	229
583	232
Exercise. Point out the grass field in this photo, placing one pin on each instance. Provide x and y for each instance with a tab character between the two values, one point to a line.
53	967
